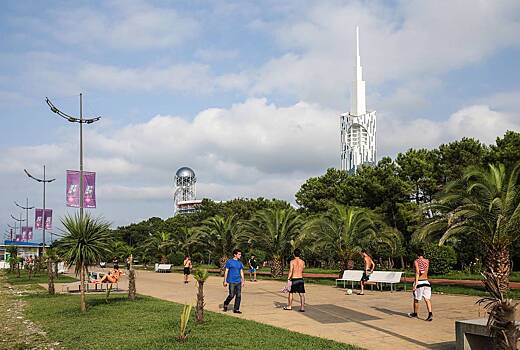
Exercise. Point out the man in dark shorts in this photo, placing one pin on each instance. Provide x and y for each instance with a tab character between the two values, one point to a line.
297	284
187	267
253	266
369	268
234	276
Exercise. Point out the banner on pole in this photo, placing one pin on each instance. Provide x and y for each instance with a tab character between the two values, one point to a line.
38	222
27	233
18	238
89	189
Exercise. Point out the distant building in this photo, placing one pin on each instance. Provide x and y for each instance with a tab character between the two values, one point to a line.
24	249
185	192
358	127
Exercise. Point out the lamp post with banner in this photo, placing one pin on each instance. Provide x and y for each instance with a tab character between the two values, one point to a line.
20	220
45	181
80	121
26	208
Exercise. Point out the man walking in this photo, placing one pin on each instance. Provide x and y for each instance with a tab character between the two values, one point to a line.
421	287
253	266
369	268
296	268
187	267
234	276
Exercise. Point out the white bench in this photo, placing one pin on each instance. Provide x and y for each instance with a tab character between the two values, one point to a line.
390	277
163	267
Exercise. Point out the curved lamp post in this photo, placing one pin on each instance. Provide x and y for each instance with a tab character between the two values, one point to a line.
81	121
26	208
44	181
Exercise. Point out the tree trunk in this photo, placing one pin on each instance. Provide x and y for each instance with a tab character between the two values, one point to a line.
222	264
131	279
18	269
277	267
343	265
56	269
498	262
50	275
82	304
402	262
199	311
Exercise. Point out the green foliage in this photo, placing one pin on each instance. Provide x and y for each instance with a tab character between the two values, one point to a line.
200	275
220	234
183	325
442	258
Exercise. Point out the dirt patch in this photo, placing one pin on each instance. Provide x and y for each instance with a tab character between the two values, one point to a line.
17	331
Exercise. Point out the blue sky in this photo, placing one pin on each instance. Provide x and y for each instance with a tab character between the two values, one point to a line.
246	93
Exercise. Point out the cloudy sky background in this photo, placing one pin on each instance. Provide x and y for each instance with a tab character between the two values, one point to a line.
246	93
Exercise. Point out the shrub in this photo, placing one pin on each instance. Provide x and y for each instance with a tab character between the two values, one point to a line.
442	258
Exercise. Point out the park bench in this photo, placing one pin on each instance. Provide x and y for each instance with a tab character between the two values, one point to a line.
163	267
382	277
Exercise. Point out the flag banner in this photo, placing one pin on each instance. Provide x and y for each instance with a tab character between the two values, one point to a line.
27	233
39	219
18	238
89	189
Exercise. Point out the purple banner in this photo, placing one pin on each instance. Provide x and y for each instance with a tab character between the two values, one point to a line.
27	233
38	221
18	238
89	189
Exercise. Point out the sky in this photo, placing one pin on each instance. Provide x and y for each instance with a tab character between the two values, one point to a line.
246	93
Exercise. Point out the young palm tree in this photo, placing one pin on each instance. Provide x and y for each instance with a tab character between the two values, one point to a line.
485	203
220	234
160	244
341	231
274	231
131	278
502	312
87	240
13	257
51	256
200	275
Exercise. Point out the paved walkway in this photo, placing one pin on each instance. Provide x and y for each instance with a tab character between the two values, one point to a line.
376	320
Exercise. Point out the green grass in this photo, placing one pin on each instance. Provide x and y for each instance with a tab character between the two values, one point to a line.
459	275
151	323
36	278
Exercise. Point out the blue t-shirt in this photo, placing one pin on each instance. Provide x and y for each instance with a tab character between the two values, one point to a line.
234	267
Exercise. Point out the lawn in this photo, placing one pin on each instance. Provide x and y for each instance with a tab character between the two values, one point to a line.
151	323
37	278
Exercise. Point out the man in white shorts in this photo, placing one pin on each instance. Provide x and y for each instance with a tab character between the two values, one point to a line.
422	288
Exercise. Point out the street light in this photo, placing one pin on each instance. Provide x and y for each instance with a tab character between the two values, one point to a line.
20	220
26	208
44	181
11	233
81	121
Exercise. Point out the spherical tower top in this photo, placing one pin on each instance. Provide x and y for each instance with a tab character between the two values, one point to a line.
185	172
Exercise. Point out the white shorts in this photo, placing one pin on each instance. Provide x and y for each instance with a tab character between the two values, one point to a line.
423	292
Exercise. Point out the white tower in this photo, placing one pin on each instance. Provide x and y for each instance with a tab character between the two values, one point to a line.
184	194
358	128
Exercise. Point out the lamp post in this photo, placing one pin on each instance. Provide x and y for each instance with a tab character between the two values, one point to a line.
44	181
81	121
20	220
11	228
26	208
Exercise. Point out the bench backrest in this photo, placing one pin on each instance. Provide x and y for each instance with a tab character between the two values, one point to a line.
164	266
352	275
386	276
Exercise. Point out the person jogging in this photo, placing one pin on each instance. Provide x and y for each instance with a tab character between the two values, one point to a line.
234	277
421	287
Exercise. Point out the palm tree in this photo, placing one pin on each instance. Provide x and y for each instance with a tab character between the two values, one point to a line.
341	230
486	204
275	231
131	278
220	234
187	239
13	257
200	275
501	321
52	256
160	244
87	240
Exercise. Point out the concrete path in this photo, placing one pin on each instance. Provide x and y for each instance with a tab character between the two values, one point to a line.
376	320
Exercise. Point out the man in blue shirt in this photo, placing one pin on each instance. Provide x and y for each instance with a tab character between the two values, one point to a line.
234	276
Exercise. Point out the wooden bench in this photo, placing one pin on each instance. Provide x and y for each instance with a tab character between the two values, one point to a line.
163	267
382	277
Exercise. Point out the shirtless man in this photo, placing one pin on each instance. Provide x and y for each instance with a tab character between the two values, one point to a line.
369	268
421	287
296	277
187	267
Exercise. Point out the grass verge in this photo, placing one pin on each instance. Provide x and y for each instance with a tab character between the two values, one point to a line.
151	323
37	278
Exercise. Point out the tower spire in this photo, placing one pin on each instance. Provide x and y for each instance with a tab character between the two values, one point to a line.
358	105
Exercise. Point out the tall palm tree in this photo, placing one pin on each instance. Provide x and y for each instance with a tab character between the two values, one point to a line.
87	240
275	231
186	239
486	204
220	234
160	244
341	230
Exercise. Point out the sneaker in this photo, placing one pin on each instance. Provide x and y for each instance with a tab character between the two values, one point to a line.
412	315
224	308
430	318
237	311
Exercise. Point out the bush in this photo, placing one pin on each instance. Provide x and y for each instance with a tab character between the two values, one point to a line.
442	258
176	258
